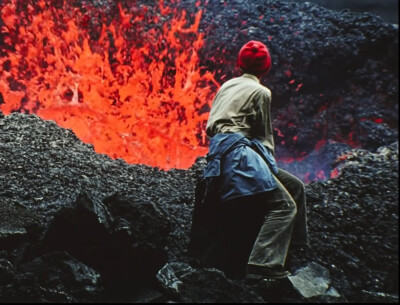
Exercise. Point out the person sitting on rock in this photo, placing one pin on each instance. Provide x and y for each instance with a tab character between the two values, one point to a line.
261	207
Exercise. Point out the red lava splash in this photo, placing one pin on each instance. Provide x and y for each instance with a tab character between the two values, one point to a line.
135	91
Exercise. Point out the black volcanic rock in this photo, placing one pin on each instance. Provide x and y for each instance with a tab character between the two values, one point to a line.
121	238
71	199
353	222
186	284
17	224
72	219
53	277
127	209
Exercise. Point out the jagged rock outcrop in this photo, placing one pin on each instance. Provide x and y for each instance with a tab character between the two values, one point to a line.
125	222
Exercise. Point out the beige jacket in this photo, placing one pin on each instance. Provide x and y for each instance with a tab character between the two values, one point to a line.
242	105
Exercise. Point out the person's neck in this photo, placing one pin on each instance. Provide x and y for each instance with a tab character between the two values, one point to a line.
253	75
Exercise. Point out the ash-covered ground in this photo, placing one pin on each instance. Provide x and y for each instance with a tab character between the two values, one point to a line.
79	226
353	219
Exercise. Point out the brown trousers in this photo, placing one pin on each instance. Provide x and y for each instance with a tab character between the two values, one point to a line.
256	231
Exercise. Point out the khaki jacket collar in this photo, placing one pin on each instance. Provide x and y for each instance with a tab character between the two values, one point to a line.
251	76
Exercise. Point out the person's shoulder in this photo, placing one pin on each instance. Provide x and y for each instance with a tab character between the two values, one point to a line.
263	90
229	83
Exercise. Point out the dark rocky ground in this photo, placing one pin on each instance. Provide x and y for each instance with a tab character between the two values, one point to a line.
79	226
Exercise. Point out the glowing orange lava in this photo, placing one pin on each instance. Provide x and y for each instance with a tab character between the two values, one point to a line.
135	91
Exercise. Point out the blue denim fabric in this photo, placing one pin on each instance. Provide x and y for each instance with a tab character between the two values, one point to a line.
245	165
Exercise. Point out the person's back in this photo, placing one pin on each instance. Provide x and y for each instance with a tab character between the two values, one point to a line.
249	102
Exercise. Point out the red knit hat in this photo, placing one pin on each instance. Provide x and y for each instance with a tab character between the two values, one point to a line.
254	58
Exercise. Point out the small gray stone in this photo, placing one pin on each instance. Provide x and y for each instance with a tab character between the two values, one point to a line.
313	280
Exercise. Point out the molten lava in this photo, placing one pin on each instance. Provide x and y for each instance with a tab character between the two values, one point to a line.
128	82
